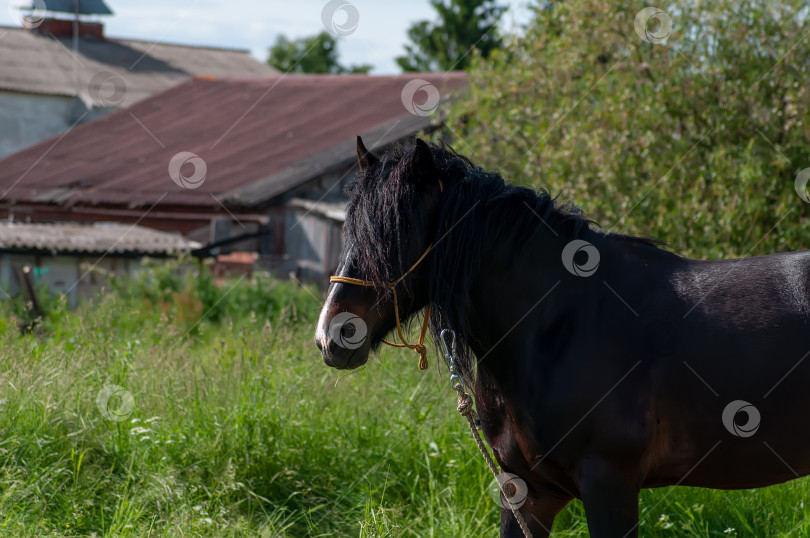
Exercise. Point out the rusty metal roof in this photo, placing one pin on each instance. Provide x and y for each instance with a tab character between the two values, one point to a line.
112	73
243	141
98	238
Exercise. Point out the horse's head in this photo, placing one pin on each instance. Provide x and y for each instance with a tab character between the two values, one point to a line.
391	220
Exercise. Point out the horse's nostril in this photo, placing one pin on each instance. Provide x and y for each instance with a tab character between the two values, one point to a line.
319	344
348	330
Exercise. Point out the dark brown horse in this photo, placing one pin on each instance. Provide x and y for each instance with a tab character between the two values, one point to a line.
601	363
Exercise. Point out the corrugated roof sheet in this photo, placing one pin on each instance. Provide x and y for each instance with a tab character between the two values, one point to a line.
333	210
96	238
114	73
258	138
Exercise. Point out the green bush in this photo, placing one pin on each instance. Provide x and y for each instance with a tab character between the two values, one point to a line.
188	293
696	142
183	293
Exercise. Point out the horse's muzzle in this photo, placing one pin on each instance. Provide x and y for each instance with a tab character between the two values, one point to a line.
340	357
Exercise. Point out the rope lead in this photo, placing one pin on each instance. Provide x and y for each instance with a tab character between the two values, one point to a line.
447	339
465	407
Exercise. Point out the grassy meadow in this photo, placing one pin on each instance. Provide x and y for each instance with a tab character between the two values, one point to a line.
234	427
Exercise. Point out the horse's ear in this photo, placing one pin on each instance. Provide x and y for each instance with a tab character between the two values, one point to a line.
364	157
421	166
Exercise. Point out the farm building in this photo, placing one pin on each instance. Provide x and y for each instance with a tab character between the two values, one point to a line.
73	258
49	82
256	164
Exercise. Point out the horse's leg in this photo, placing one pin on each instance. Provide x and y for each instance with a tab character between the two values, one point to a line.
610	498
541	507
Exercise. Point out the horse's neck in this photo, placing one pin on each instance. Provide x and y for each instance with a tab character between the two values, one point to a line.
511	298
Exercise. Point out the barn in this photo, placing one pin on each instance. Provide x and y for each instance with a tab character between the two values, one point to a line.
248	164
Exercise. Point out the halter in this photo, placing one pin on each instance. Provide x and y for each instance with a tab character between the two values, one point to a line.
419	347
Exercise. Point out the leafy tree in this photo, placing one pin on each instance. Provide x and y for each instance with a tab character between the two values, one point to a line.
447	43
314	54
696	140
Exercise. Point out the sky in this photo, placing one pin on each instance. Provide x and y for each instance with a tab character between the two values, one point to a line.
379	37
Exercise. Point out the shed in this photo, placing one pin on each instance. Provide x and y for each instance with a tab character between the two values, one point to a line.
73	258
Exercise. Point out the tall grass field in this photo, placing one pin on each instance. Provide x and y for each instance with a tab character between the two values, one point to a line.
173	407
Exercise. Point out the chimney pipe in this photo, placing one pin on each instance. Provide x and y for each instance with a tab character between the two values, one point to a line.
64	28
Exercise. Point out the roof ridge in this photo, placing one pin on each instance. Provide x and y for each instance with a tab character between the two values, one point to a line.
181	45
7	27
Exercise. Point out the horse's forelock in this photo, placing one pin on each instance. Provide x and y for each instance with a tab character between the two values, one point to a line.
380	207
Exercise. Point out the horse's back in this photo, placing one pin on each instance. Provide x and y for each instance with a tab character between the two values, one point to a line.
746	293
741	347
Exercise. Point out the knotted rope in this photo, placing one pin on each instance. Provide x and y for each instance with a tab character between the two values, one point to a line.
465	408
418	347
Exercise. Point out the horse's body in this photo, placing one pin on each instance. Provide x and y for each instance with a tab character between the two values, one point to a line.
594	387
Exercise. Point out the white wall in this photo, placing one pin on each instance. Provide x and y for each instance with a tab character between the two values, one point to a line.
313	242
27	119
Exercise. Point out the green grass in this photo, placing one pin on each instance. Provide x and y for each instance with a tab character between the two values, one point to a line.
238	429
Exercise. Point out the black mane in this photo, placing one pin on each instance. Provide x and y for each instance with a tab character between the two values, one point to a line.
382	211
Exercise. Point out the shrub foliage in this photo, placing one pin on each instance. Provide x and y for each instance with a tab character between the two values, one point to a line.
695	139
